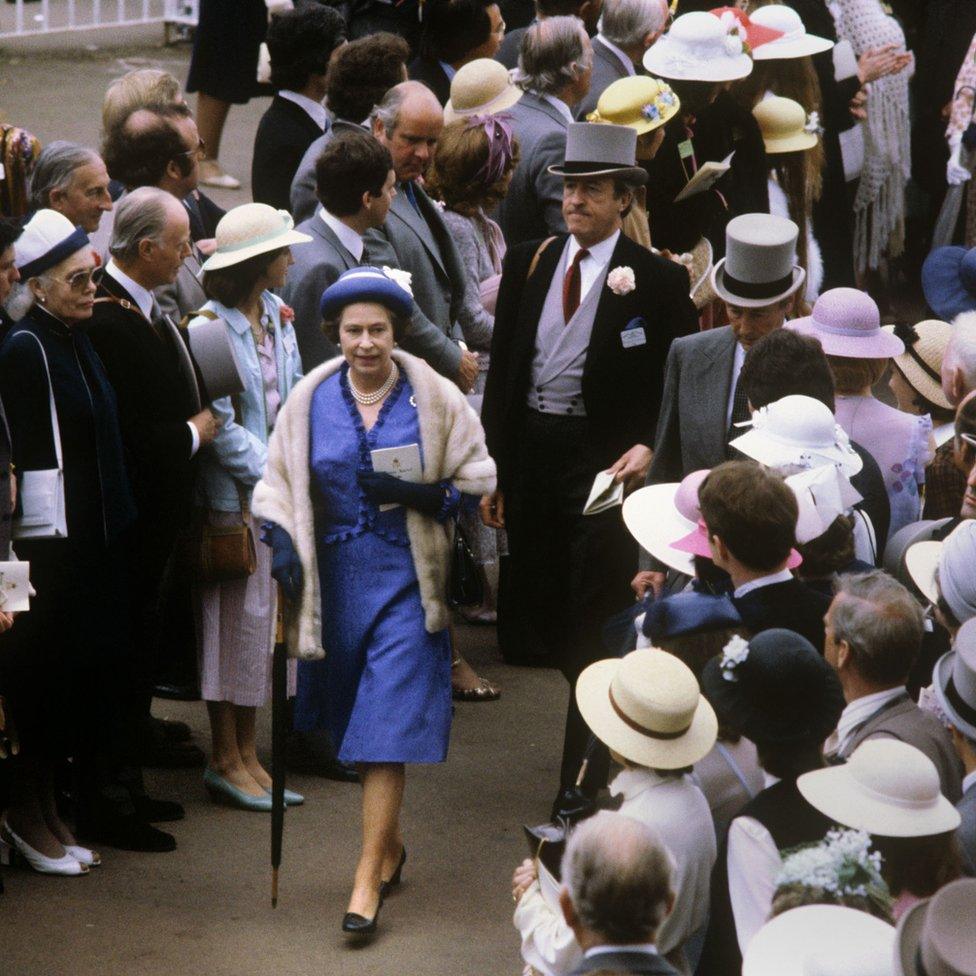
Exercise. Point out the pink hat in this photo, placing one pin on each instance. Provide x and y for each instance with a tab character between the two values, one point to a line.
847	323
697	544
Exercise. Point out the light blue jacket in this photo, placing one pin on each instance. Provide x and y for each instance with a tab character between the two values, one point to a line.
239	451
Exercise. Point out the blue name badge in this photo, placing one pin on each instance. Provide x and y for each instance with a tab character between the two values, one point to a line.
633	334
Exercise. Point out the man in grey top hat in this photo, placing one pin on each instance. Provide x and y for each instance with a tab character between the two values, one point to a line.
582	326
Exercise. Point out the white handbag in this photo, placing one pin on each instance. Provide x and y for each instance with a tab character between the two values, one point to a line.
42	492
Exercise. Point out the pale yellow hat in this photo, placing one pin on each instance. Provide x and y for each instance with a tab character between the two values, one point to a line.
481	87
785	126
639	102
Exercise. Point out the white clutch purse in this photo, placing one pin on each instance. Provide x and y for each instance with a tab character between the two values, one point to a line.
42	492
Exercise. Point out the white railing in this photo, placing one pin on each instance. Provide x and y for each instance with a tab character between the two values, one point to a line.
23	19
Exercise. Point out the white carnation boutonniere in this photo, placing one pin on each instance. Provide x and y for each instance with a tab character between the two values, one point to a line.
733	654
403	278
621	280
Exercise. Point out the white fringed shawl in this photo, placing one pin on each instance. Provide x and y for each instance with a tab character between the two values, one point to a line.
454	449
879	206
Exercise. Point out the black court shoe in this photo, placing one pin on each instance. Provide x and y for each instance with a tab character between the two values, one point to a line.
387	886
359	925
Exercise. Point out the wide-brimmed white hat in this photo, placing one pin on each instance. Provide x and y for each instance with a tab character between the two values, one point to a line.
647	707
887	787
821	940
480	87
249	230
797	431
759	267
937	936
698	47
795	41
922	566
954	681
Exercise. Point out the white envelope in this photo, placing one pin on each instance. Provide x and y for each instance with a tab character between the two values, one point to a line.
402	462
14	587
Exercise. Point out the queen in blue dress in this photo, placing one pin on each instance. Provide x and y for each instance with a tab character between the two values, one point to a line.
362	555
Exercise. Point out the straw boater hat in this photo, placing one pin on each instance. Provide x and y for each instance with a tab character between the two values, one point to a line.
937	936
794	41
605	150
698	47
785	126
887	787
48	238
954	681
644	104
921	362
481	87
847	322
249	230
821	940
648	708
759	267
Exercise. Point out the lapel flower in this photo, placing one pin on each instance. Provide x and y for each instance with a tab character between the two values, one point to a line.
401	277
733	654
287	313
621	280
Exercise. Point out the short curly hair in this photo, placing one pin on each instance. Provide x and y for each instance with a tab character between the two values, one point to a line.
300	43
362	72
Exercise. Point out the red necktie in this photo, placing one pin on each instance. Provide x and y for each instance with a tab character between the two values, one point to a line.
571	286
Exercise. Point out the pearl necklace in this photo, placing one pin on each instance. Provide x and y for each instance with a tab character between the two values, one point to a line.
369	399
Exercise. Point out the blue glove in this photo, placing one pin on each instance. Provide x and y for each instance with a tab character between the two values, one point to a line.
384	489
286	567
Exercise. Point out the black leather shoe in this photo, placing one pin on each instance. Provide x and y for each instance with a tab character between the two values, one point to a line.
172	755
177	692
387	886
572	804
129	833
353	924
170	730
157	811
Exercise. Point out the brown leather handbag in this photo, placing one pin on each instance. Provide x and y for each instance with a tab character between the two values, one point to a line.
227	552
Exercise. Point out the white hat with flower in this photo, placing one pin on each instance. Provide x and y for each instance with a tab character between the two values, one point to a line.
700	47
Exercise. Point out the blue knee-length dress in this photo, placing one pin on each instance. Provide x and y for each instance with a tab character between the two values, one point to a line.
383	690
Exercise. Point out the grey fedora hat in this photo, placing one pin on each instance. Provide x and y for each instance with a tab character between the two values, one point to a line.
601	149
954	681
759	267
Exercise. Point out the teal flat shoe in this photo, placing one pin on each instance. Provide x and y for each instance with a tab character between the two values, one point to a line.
292	799
226	792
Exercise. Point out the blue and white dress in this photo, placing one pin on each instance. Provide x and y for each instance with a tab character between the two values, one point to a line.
383	691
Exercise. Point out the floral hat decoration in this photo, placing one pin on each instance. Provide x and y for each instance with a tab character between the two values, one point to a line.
639	102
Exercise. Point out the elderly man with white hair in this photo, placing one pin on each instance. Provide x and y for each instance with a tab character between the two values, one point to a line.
627	29
959	359
71	180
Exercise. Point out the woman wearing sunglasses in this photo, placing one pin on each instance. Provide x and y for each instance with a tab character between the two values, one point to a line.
62	659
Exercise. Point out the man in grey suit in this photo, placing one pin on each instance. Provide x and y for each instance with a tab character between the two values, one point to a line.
408	122
588	11
873	632
627	29
554	72
355	188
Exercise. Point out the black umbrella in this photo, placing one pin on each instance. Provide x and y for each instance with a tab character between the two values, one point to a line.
279	743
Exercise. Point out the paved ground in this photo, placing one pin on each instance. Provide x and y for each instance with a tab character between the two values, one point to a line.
206	907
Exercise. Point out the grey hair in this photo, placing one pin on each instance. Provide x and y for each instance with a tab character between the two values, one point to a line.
55	170
552	54
627	22
881	622
960	352
618	872
139	216
387	111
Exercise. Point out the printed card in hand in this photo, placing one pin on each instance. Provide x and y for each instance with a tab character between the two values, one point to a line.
402	462
14	587
604	495
709	173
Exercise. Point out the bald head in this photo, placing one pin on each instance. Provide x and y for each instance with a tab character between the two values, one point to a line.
959	359
408	122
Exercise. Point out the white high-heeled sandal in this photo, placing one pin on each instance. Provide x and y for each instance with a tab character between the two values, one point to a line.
67	866
84	856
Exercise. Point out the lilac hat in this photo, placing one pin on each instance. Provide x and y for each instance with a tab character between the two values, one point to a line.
847	323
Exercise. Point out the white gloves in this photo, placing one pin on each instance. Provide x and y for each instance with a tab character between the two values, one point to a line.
956	173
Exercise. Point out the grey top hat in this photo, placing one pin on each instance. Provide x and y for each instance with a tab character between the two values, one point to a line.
954	681
220	372
601	149
759	267
936	937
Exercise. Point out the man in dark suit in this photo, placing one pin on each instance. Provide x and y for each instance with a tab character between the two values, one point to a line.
455	32
588	11
408	122
582	327
300	43
355	186
162	424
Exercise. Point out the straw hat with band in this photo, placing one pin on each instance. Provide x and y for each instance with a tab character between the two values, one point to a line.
480	87
936	936
794	41
249	230
785	126
365	284
954	681
887	787
48	238
921	362
821	940
698	47
641	103
604	150
759	267
847	322
648	708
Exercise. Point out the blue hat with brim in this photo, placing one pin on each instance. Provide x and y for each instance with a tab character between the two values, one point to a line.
367	284
949	281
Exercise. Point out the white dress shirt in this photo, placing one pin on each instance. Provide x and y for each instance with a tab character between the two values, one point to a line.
594	265
738	358
602	950
559	105
147	304
315	110
624	60
855	714
348	238
783	576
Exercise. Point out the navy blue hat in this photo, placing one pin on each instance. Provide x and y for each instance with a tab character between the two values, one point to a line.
949	281
368	284
777	689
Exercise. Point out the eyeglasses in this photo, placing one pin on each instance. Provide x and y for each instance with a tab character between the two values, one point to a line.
199	150
79	281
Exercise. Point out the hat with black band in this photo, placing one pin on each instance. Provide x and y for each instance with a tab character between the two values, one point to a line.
759	267
48	238
601	149
954	681
921	362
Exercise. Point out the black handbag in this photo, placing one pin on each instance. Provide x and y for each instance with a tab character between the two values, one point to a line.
465	586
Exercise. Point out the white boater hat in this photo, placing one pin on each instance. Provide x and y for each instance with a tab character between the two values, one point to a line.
795	41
